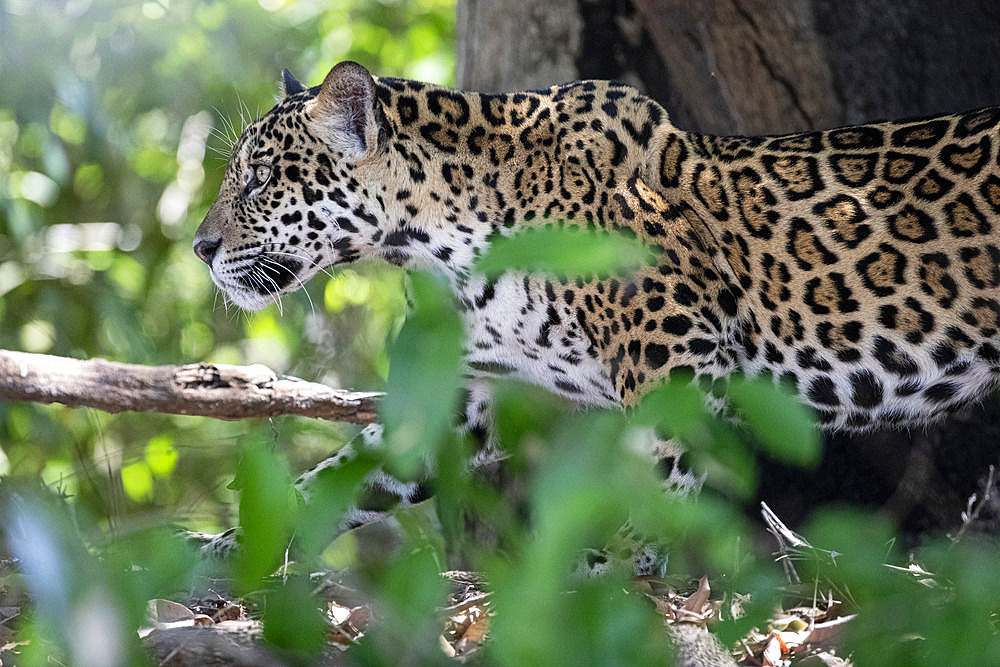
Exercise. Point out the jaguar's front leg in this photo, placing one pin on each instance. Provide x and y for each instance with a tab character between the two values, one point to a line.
630	550
380	493
477	422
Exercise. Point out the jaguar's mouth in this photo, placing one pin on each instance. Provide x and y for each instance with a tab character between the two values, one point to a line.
269	275
261	281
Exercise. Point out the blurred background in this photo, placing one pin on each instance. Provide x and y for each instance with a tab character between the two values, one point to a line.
115	123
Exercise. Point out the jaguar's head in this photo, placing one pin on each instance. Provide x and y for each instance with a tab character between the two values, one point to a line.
302	191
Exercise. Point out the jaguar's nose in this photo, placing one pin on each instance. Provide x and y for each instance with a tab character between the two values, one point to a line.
205	249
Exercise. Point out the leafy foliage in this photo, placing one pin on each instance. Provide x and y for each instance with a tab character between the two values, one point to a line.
781	425
424	379
114	128
115	123
106	139
580	252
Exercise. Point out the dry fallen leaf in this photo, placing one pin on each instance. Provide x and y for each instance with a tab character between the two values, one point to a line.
474	635
231	612
448	649
698	599
358	619
347	623
828	633
694	608
478	630
338	613
466	627
163	614
773	651
167	611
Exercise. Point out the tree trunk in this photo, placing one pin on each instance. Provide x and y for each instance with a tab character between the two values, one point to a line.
506	45
745	66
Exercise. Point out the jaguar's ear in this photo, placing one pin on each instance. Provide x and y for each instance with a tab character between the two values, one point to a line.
347	111
289	86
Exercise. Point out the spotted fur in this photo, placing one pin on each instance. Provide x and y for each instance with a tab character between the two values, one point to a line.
860	264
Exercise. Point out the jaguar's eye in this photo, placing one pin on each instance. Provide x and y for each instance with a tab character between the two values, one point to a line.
262	172
254	178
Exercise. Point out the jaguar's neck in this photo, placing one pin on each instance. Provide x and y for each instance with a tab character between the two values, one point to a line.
482	164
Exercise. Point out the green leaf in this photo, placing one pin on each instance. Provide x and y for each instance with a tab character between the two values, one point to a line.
407	587
678	409
563	250
586	486
425	377
782	425
677	405
267	511
331	493
293	620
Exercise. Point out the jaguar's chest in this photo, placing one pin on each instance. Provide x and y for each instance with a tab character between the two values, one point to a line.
515	329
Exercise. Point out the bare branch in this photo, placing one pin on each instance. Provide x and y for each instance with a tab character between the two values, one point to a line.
221	391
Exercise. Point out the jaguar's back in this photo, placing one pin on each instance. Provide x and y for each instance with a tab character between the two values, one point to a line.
867	259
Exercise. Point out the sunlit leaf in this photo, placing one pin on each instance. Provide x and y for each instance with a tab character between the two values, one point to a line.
161	456
562	250
137	480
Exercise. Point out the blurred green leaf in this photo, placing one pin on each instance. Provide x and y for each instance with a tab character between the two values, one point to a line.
331	493
293	620
678	406
784	426
267	512
944	612
586	487
678	409
425	377
562	250
408	587
79	607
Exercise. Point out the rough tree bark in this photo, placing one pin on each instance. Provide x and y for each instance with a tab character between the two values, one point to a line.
221	391
768	67
745	66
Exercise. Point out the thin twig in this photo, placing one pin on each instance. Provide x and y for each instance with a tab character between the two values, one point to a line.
972	513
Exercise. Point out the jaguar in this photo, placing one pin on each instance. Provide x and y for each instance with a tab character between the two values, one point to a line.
859	265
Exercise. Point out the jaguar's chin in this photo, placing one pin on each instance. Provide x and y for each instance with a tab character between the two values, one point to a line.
248	300
262	282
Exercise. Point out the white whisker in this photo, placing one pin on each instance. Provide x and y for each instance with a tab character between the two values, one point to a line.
254	280
230	137
302	286
303	258
275	293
